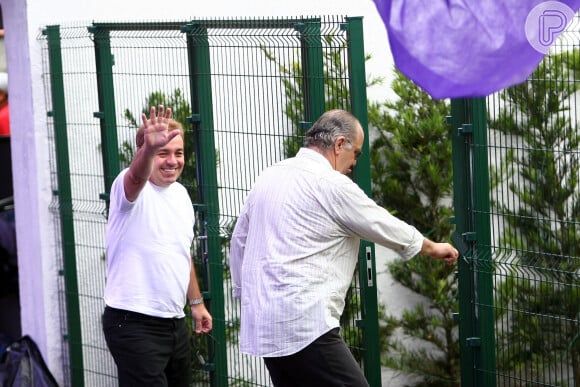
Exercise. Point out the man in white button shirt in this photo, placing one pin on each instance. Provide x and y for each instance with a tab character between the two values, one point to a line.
294	251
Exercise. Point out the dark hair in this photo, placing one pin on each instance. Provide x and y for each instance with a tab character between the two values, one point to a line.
172	125
331	125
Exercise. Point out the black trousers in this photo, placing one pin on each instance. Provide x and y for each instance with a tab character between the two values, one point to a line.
327	362
148	351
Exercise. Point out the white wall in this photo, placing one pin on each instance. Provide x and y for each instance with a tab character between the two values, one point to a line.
32	194
23	21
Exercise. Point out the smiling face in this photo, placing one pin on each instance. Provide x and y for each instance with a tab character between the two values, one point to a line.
168	163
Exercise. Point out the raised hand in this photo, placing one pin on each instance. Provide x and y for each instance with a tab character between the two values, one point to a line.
156	128
156	135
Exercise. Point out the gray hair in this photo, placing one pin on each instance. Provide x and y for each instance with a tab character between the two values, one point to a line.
331	125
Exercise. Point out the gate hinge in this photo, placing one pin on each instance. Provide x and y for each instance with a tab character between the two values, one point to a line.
473	341
465	129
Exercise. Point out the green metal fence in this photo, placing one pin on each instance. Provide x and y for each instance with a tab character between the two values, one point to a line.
245	90
517	205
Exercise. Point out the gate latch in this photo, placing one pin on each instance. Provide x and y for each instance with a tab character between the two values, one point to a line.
370	277
473	341
465	129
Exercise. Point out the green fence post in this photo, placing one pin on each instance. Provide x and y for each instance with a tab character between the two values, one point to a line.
58	114
107	112
367	266
206	162
473	238
485	270
463	225
312	69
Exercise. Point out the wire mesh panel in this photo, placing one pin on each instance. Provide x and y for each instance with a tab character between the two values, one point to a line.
259	102
525	280
535	167
245	91
80	211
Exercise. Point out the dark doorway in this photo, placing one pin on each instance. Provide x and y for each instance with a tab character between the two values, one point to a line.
10	329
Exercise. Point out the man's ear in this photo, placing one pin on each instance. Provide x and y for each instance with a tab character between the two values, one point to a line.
339	143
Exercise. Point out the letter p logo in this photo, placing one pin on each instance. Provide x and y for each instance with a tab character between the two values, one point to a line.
551	23
545	22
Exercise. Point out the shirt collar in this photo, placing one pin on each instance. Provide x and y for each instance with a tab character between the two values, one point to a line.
313	155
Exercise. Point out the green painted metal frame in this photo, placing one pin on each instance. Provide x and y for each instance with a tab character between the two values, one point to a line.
486	320
367	265
473	239
202	118
107	112
58	114
209	213
312	69
202	124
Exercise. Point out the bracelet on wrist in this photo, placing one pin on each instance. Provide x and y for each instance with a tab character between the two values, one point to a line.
195	301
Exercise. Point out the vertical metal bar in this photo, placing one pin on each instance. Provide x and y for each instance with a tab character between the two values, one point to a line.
312	69
362	175
107	112
486	321
473	237
206	162
58	114
463	225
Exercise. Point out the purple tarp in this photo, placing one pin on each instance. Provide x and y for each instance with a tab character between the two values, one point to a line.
472	48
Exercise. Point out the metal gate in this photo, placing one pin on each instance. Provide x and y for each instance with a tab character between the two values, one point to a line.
245	90
517	206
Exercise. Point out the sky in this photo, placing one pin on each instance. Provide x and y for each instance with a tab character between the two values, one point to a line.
375	35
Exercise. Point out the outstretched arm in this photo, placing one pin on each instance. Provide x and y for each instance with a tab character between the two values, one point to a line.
156	135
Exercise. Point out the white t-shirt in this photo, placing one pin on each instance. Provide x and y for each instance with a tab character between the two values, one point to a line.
148	252
294	250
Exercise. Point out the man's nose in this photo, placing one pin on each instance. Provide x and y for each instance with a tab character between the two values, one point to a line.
171	158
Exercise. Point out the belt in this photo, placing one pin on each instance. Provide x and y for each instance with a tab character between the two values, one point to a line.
130	315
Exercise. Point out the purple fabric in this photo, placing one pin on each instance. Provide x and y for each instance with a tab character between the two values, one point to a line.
471	48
